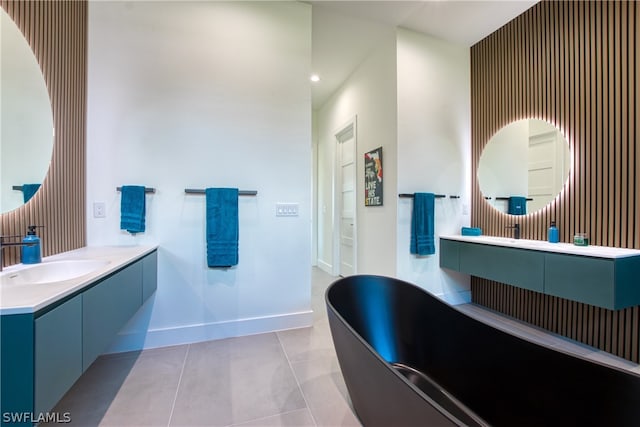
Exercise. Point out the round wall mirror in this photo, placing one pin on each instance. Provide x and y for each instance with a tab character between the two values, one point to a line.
26	119
524	166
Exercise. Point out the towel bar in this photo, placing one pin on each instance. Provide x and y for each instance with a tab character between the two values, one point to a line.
17	187
240	192
506	198
437	196
146	189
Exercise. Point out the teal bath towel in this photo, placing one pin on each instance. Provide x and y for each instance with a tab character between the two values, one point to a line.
222	227
517	205
471	231
28	190
132	208
422	224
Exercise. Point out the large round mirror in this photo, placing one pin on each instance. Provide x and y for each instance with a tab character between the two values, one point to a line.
524	166
26	119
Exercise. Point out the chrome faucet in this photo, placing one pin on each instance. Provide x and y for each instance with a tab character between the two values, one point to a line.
516	230
3	244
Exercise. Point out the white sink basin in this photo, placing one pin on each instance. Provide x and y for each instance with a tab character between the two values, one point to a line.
50	272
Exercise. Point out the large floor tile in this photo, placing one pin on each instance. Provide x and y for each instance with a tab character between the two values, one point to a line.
308	343
90	397
299	418
325	392
130	389
148	393
320	283
235	380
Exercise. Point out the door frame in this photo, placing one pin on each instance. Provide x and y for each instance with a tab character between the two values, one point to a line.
350	125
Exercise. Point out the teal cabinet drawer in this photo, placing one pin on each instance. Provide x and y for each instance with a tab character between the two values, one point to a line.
17	339
627	282
58	353
149	275
449	254
603	282
518	267
106	308
582	279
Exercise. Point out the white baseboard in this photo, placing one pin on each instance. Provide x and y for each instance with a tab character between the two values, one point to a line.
325	266
188	334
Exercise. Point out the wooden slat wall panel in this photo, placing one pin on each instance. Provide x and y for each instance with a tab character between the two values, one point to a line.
57	34
574	64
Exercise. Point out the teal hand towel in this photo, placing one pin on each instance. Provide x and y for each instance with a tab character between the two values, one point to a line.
222	227
132	208
422	224
28	190
471	231
517	205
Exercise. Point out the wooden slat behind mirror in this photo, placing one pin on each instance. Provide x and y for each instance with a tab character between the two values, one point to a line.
574	64
57	34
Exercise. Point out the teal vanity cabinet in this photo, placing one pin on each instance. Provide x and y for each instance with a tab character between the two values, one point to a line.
44	353
605	279
519	267
149	275
106	307
58	353
611	283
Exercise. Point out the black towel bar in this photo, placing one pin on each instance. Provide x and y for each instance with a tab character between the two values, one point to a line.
240	192
507	198
146	189
410	195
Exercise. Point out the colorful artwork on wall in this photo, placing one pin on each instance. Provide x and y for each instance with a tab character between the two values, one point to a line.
373	177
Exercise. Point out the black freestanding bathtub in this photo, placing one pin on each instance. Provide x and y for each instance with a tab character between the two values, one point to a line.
410	359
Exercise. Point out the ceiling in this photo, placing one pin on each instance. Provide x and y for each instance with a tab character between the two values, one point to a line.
344	32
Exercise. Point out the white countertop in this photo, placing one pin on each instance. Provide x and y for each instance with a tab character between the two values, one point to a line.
544	246
29	298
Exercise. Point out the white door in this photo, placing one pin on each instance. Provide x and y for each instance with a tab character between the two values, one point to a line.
542	170
346	200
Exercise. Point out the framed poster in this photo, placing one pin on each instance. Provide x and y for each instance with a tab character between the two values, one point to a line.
373	177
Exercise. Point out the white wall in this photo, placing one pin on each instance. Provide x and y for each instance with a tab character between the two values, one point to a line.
369	94
434	122
194	95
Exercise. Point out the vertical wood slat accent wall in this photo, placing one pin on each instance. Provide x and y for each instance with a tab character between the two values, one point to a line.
57	34
574	64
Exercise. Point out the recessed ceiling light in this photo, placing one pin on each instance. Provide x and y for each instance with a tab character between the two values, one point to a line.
315	78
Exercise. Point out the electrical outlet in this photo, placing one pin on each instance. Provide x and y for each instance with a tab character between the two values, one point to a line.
99	210
286	209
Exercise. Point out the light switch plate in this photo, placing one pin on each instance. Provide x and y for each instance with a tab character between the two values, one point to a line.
99	210
287	209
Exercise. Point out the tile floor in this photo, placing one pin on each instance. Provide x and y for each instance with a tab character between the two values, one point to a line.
286	378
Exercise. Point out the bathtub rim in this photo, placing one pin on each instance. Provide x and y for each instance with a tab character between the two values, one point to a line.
371	350
500	327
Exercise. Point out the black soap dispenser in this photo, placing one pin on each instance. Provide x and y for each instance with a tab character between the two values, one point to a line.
30	250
